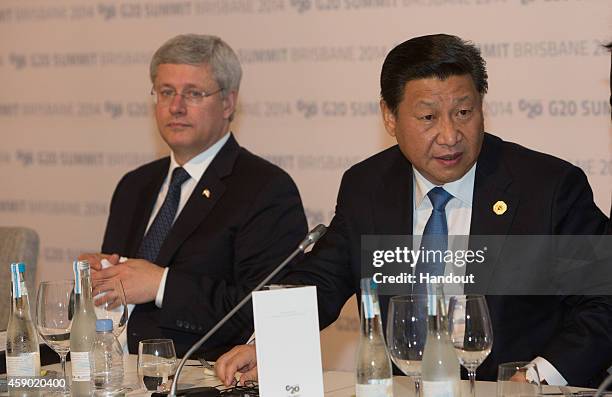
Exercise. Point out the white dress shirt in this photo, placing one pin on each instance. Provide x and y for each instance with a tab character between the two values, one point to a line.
458	218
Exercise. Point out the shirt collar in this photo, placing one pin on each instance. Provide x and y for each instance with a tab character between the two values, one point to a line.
462	189
198	165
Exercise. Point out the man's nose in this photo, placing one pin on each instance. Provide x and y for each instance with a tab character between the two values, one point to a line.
177	104
448	133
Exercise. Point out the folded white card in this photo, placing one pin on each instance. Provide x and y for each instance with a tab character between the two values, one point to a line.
288	345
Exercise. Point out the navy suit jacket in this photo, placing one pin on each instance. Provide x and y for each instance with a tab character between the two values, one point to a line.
219	248
544	195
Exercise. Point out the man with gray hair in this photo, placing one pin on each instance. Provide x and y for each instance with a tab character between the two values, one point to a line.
191	234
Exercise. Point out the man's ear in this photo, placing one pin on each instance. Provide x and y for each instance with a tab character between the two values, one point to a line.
388	118
229	104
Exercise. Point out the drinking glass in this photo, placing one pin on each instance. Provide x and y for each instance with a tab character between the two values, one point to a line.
156	364
54	318
518	379
113	305
406	334
471	332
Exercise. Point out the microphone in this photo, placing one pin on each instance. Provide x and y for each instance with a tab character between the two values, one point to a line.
312	237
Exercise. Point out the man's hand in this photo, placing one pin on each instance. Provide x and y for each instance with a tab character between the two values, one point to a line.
519	376
95	260
242	359
140	279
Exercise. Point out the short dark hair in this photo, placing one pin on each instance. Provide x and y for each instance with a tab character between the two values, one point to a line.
438	55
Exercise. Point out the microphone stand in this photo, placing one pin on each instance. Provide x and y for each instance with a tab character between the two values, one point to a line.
601	391
314	235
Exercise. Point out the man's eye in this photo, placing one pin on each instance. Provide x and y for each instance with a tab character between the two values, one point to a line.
465	112
193	94
427	117
166	93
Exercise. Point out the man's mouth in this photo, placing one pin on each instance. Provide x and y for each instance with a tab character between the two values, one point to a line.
450	159
176	124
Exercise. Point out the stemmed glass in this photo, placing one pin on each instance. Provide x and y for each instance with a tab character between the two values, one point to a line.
156	364
110	303
54	318
407	333
471	332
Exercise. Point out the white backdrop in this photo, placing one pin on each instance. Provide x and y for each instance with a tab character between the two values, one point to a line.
75	110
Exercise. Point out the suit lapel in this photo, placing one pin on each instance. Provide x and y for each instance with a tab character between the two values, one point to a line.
392	202
200	204
492	185
146	199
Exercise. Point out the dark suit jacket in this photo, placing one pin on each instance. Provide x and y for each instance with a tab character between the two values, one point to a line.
610	221
218	249
544	195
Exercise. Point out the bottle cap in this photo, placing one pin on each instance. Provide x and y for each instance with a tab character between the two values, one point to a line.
17	290
77	268
18	267
82	264
104	325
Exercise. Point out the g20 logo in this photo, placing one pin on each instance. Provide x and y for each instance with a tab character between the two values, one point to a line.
294	390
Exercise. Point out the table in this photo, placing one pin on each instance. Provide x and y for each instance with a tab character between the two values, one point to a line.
342	384
336	383
191	376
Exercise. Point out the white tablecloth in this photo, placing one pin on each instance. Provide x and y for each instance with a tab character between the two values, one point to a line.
336	384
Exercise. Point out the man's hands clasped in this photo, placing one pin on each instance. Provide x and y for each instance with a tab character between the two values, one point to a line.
140	278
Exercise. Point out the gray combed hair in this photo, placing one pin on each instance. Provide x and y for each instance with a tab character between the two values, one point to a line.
197	50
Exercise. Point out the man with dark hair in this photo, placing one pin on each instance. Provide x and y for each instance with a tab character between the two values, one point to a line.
446	169
198	229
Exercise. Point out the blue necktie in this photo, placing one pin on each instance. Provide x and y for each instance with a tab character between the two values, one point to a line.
435	237
153	240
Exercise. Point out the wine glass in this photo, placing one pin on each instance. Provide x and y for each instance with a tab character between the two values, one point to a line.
407	333
156	363
110	303
471	332
54	318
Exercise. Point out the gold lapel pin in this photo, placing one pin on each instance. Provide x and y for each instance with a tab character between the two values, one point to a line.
206	193
500	207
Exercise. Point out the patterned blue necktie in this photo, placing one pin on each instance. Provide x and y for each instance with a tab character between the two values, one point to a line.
435	237
153	240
